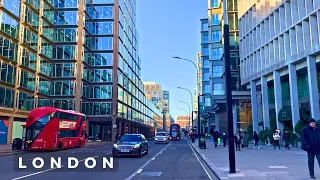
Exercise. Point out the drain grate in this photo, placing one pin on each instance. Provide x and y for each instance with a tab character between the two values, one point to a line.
151	173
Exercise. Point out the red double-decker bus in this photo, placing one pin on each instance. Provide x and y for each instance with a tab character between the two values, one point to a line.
174	132
50	128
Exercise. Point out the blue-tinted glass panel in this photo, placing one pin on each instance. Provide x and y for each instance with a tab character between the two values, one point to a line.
12	6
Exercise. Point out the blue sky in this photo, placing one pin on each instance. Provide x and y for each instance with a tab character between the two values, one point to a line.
170	28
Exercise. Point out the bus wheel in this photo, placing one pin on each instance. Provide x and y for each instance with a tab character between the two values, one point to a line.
60	146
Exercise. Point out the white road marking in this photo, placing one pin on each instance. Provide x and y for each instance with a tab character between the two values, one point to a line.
145	164
90	149
200	162
139	171
277	167
28	175
34	173
153	158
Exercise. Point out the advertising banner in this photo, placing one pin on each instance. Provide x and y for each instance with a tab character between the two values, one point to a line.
67	125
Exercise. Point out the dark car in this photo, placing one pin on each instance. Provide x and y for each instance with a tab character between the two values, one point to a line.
130	144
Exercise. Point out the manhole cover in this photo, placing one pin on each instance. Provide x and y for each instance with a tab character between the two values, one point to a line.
151	173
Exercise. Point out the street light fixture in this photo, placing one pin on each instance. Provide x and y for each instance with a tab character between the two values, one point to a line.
189	108
191	104
177	57
185	111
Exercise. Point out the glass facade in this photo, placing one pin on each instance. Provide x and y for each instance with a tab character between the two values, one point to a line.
64	58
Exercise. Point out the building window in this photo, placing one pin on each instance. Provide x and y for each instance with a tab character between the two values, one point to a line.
217	71
66	4
12	6
205	37
215	3
6	98
215	19
216	36
207	101
218	89
65	18
217	53
9	25
206	89
206	63
44	86
27	80
206	76
8	73
26	101
205	50
205	26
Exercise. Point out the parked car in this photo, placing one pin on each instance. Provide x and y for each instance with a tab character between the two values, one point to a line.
161	137
130	144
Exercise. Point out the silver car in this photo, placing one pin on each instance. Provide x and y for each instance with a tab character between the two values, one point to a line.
161	137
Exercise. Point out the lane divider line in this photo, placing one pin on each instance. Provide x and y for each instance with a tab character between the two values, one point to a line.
200	162
145	164
28	175
140	170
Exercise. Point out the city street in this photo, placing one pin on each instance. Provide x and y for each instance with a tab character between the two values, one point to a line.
164	161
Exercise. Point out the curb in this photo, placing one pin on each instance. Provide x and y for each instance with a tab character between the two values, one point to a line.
213	171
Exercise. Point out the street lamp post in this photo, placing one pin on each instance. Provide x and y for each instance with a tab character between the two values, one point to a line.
191	104
184	110
189	109
232	162
183	59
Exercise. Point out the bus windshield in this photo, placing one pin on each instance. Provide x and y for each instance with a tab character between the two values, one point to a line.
34	130
174	127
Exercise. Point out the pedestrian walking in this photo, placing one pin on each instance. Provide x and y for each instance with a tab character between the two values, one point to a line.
224	139
245	140
286	138
256	140
310	142
238	140
276	138
216	135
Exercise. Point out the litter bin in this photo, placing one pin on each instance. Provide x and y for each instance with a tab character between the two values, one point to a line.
202	142
17	144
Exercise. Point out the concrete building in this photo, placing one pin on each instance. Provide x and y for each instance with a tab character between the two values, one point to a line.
76	55
158	96
279	52
213	102
184	121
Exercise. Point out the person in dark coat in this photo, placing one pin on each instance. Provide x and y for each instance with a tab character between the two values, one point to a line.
310	142
256	140
237	140
224	139
286	138
216	136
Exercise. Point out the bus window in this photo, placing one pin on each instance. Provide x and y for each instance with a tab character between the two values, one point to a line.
45	119
67	133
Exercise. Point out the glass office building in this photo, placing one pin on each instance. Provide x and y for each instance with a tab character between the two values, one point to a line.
213	100
72	54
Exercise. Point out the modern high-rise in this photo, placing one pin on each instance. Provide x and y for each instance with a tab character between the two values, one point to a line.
77	55
213	102
161	99
158	96
279	53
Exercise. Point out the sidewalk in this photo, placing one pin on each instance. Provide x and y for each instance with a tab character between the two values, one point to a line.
7	148
258	164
